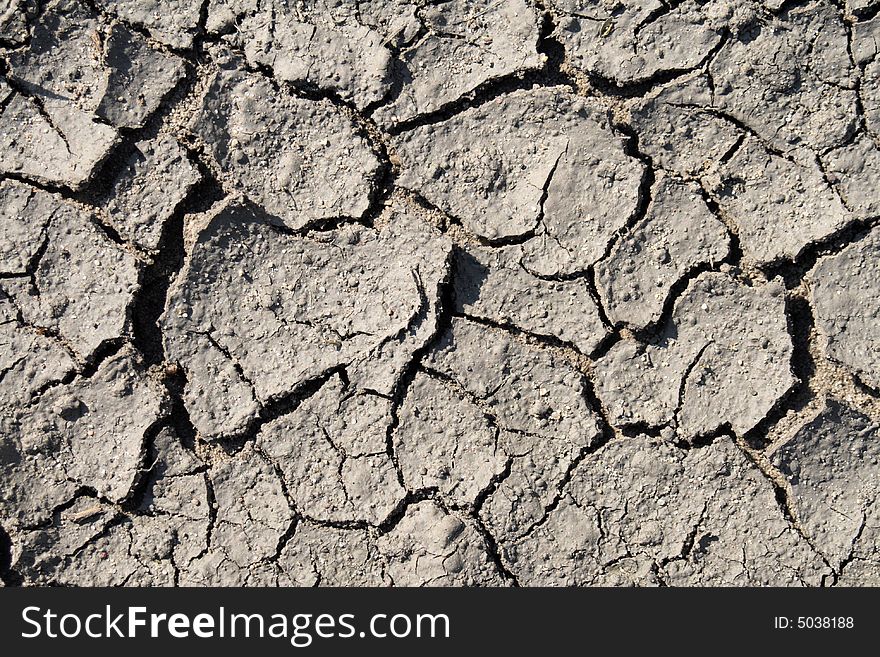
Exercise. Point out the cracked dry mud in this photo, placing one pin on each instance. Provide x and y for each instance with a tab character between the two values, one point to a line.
440	292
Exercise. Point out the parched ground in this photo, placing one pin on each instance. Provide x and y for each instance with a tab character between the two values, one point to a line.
440	292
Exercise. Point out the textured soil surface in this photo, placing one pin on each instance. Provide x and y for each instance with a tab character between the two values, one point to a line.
440	292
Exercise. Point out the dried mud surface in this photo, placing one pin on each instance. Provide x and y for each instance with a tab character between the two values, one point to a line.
440	292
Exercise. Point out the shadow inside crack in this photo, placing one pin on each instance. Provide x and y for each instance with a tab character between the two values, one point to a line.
468	277
8	576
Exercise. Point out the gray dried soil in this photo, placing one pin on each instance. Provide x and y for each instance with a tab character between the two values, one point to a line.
468	292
